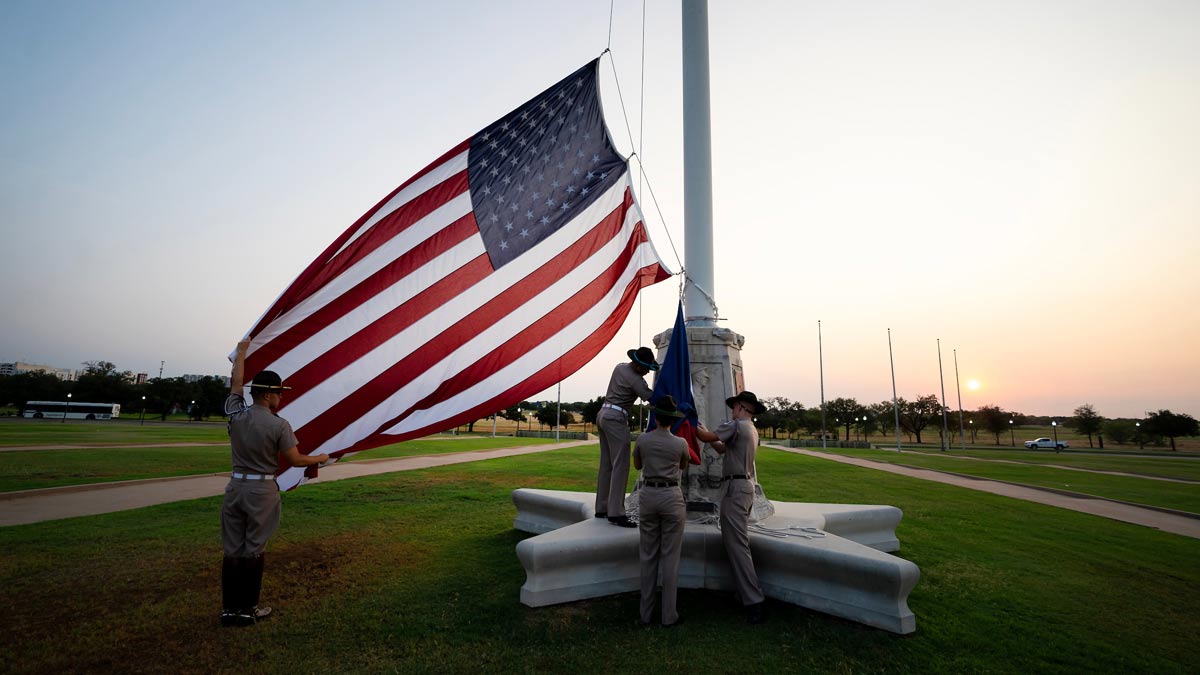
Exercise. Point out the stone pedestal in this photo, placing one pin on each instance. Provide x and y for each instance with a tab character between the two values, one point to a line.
716	363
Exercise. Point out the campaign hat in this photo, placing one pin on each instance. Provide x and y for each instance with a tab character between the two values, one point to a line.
749	398
643	357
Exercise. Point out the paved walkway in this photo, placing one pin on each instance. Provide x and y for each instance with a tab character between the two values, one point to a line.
32	506
1128	513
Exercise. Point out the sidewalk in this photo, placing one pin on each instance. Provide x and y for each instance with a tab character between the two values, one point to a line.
33	506
1128	513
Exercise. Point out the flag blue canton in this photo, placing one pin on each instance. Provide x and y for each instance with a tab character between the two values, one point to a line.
534	169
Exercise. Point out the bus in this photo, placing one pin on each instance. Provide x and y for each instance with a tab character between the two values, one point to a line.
72	410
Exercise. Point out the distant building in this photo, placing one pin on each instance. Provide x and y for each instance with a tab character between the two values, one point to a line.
140	378
197	378
17	367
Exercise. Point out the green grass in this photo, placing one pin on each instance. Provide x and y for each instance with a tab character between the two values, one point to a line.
23	432
1181	496
33	469
415	572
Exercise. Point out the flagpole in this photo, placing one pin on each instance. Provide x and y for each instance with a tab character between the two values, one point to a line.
697	168
821	361
945	425
558	412
895	401
961	431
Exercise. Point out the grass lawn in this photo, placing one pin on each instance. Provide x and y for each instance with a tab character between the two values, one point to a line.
22	432
1181	496
416	572
32	469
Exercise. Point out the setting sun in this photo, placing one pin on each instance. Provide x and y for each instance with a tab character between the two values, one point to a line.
972	384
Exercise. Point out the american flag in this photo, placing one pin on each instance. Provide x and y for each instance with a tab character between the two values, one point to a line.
492	274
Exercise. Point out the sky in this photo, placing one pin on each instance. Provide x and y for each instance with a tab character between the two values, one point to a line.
1019	181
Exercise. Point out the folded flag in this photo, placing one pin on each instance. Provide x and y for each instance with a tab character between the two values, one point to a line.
492	274
675	378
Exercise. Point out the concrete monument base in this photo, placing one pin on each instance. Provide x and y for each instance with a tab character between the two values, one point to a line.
831	558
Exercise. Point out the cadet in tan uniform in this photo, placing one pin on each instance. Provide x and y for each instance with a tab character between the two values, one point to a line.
737	440
250	512
661	456
624	387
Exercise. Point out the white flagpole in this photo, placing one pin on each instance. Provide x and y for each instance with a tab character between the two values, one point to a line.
895	403
961	432
945	424
821	361
558	413
697	168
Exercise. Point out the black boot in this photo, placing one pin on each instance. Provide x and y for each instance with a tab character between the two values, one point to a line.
253	574
230	590
754	613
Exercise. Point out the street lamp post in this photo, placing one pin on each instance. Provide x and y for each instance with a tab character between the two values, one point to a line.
972	423
142	418
1141	444
1054	426
68	410
191	412
1012	440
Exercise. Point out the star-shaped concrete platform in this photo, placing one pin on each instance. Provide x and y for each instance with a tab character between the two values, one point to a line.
832	558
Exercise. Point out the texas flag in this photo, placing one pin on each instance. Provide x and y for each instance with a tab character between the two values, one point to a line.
675	378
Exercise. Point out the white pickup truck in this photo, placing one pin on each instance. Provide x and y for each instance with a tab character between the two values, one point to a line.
1046	443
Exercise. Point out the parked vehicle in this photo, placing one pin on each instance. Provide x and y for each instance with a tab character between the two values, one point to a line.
1047	443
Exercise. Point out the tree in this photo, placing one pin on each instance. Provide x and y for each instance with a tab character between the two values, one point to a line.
1172	425
102	383
843	411
591	410
1087	421
995	420
16	390
919	414
1120	430
549	415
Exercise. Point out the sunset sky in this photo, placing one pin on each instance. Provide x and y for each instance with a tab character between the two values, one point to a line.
1018	179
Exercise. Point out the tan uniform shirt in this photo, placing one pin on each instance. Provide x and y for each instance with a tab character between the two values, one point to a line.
660	453
257	436
740	439
626	386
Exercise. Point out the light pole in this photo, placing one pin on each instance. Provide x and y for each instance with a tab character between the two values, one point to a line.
1011	439
1141	444
142	418
191	412
972	423
1054	426
68	410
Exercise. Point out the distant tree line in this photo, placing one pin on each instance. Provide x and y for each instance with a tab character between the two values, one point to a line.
846	419
101	382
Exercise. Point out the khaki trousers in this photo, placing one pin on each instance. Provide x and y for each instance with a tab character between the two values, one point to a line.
735	519
661	522
614	462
